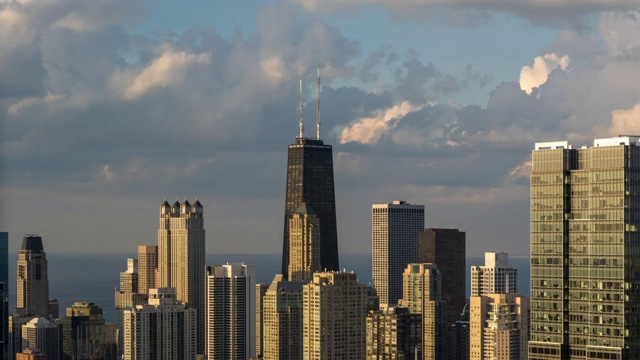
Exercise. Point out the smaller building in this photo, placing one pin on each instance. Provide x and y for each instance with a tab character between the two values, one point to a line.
394	334
282	314
495	277
54	309
42	334
31	354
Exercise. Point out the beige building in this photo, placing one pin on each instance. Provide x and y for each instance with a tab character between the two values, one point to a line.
421	294
335	308
147	268
44	335
394	334
304	244
181	250
30	354
129	278
499	327
495	277
282	320
163	329
32	282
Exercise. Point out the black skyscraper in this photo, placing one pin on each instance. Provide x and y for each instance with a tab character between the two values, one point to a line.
310	180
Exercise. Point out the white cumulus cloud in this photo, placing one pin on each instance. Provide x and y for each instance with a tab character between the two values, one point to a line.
534	76
625	121
169	68
369	130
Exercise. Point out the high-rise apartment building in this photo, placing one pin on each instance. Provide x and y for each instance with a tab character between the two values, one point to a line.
147	268
85	334
422	295
181	250
585	215
495	277
231	312
40	333
499	327
261	290
125	301
129	278
304	244
335	307
32	283
394	234
394	334
163	329
282	316
310	181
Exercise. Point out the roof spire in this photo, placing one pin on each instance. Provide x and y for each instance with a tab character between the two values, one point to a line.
301	108
318	107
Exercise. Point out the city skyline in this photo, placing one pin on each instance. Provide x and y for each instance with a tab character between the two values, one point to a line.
412	104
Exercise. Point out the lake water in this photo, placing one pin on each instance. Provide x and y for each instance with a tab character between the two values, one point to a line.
95	277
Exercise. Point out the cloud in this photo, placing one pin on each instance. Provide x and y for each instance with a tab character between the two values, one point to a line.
369	130
168	69
533	77
625	121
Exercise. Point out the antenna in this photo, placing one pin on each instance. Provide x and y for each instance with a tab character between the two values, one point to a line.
318	107
301	121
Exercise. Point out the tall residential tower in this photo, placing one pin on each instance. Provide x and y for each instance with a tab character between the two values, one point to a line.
32	283
495	277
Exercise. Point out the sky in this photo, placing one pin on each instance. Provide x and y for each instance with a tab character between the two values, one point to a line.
108	107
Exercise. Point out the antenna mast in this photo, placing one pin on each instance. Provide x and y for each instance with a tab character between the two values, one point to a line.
318	107
301	121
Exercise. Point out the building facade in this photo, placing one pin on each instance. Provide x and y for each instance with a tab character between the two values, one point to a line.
32	283
394	242
499	327
495	277
85	335
393	334
129	278
261	290
147	268
310	181
282	316
231	312
31	354
585	214
162	329
422	295
181	250
335	307
42	334
304	244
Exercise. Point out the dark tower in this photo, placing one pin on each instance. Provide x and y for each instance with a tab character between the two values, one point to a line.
310	180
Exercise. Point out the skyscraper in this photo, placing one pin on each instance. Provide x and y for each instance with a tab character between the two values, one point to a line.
335	307
421	293
147	267
282	316
261	290
304	241
32	284
310	180
42	334
181	249
163	329
394	234
585	215
495	277
85	334
394	334
231	312
499	325
129	278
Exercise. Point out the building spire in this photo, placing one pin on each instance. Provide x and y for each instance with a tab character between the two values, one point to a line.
301	108
318	107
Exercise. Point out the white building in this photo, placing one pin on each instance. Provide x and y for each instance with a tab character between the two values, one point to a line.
495	277
163	329
231	312
394	234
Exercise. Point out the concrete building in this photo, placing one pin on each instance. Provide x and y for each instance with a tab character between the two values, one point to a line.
30	354
129	278
422	295
231	312
394	234
304	244
15	333
42	334
282	316
499	327
32	283
54	309
261	290
123	302
495	277
181	250
335	308
394	334
85	336
585	206
163	329
147	268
